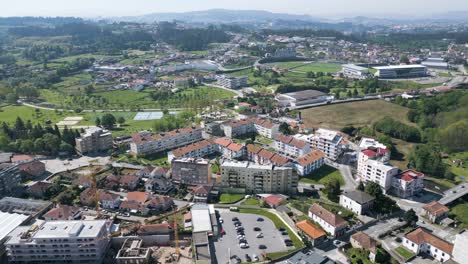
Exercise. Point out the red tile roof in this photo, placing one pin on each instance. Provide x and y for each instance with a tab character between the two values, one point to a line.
436	208
369	153
273	200
410	175
62	212
310	229
140	197
289	140
192	147
235	147
327	216
310	157
420	236
223	141
164	228
253	149
365	241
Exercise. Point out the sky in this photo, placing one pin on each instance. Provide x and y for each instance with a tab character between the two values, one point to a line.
321	8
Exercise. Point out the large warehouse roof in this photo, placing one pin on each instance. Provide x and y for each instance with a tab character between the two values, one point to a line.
306	94
8	222
391	67
201	220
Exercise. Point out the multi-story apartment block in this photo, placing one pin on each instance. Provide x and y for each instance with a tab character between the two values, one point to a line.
59	242
264	157
378	154
422	241
291	146
378	172
232	82
196	150
256	178
94	140
234	129
310	162
229	149
327	141
408	183
145	143
10	178
191	171
330	222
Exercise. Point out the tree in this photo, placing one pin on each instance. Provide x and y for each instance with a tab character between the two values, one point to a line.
285	129
373	189
360	187
11	98
332	190
355	92
410	217
108	121
121	120
97	121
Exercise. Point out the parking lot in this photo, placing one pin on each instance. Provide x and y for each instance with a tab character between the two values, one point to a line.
272	237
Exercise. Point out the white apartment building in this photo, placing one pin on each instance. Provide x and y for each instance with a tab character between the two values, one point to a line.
327	141
255	178
196	150
59	242
356	201
330	222
310	162
232	82
238	128
408	183
378	172
366	143
378	154
422	241
94	140
229	149
145	143
291	146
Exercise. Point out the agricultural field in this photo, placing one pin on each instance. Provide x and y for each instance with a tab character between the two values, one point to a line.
357	114
305	66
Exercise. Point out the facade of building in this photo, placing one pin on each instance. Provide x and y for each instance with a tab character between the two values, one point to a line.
421	241
300	98
364	241
435	211
310	162
355	71
229	149
378	172
356	201
94	140
327	141
10	178
291	146
145	143
256	178
408	183
401	71
378	154
59	242
63	213
196	150
265	157
330	222
232	82
238	128
285	53
191	171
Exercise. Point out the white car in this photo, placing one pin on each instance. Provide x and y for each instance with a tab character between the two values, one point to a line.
255	258
244	245
259	235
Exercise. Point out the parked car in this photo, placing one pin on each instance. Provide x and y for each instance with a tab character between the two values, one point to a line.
285	233
259	235
260	219
262	247
257	229
282	229
248	258
235	219
255	258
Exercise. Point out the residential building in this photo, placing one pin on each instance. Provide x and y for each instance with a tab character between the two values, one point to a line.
421	241
310	162
201	194
255	178
129	182
330	222
232	82
239	128
291	146
265	157
400	71
158	185
460	248
94	140
300	98
288	52
311	232
408	183
145	143
152	172
366	143
191	171
59	242
356	201
327	141
379	154
38	189
196	150
107	199
132	252
33	168
63	213
435	211
363	241
10	179
378	172
229	149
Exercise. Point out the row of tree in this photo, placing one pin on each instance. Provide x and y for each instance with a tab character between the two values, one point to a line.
397	129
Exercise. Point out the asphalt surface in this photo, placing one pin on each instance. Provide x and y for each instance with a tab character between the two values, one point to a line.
228	244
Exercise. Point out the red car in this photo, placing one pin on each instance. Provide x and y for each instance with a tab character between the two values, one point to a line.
222	232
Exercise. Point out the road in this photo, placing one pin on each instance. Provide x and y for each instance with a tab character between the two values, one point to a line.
345	170
454	193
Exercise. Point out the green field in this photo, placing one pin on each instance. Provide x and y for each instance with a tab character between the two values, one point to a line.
323	175
227	198
357	114
460	212
251	201
406	254
308	66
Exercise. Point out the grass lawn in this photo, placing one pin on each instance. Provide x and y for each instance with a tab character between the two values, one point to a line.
251	201
278	224
357	114
319	67
460	213
323	175
404	252
230	198
459	170
303	204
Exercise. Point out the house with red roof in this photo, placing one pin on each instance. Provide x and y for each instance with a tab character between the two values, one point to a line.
201	194
291	146
273	200
422	241
229	149
107	199
435	211
63	212
38	189
129	182
333	224
34	168
311	232
408	183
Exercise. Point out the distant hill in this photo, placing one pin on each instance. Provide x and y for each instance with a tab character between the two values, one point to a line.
217	16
